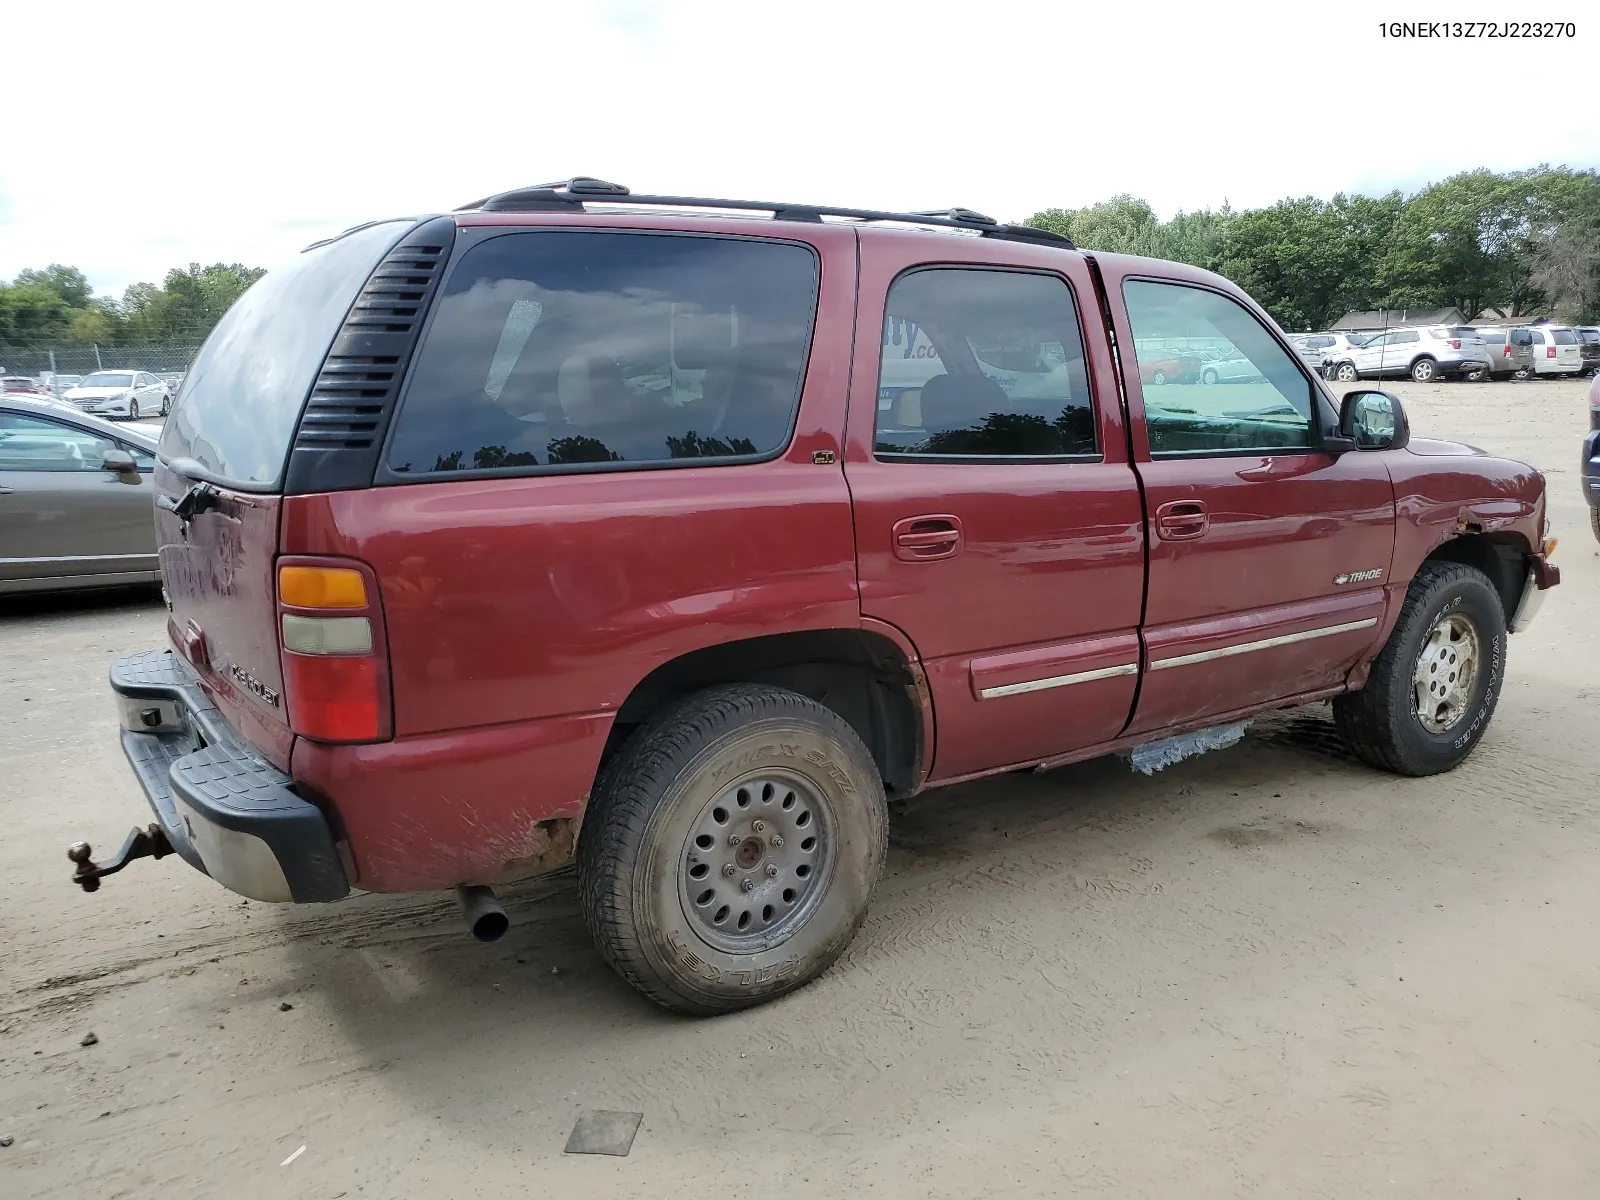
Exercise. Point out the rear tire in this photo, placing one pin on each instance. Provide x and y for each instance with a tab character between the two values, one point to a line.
731	848
1477	375
1208	376
1346	373
1160	377
1594	522
1424	370
1435	684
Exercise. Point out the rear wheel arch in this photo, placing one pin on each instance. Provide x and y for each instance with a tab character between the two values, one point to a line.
863	676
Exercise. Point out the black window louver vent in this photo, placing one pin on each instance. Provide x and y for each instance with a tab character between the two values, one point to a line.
345	416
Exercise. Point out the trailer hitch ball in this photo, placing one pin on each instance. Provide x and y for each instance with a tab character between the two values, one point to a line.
149	842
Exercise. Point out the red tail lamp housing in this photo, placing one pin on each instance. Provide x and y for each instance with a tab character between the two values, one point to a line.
338	695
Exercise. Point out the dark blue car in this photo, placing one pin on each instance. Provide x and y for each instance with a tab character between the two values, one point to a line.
1591	458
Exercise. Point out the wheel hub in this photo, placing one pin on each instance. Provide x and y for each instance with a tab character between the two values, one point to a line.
756	862
1447	673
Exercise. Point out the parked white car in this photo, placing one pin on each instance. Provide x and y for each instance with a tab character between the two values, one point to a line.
1556	351
1424	354
1217	367
127	394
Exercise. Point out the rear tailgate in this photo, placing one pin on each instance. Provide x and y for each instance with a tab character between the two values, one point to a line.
216	570
220	477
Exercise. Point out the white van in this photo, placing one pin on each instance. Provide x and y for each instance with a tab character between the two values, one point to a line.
1555	350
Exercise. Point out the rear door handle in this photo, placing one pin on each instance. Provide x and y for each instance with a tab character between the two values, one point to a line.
1182	520
927	539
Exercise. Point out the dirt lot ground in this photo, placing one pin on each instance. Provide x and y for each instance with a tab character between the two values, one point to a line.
1265	972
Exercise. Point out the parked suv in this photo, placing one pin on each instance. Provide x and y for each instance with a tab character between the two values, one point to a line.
581	524
1319	349
1556	351
1510	351
1589	346
1423	354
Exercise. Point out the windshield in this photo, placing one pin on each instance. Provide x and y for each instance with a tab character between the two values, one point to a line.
109	379
242	397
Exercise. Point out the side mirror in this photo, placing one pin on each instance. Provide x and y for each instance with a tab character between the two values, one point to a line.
1374	421
119	462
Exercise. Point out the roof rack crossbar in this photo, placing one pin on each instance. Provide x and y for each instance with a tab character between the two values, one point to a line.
571	194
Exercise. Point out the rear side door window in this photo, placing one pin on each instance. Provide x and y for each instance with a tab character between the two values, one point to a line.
1249	395
599	350
982	364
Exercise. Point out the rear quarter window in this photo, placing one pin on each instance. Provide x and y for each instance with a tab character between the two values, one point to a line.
557	350
242	398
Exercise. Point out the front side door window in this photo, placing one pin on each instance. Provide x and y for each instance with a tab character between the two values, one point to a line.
1246	393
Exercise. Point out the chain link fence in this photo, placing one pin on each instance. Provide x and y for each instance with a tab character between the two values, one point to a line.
41	362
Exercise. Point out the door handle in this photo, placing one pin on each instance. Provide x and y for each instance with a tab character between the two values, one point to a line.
927	539
1182	520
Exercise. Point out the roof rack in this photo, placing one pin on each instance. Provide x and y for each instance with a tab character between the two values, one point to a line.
570	195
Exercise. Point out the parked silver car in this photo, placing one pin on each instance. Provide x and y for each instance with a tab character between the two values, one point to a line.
1423	354
130	394
77	509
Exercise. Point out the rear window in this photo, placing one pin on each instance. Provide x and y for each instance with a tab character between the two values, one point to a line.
591	350
1493	339
1590	335
1564	337
242	397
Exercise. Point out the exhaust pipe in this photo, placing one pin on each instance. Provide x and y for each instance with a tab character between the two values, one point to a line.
485	918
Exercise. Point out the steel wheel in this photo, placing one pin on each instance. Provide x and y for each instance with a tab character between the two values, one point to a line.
1346	373
1447	673
756	861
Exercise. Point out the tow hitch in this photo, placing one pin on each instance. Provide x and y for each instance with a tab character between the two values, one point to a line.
149	842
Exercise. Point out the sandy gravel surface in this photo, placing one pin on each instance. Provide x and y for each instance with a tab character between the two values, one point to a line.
1266	972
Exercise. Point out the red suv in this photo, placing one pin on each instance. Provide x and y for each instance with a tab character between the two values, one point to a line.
580	524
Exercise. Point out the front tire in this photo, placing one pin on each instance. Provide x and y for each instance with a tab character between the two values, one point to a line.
1208	376
1159	378
1594	522
1435	684
731	848
1424	370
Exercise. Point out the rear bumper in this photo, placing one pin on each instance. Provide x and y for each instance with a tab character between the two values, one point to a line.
225	811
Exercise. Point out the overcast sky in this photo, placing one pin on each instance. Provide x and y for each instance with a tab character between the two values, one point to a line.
137	137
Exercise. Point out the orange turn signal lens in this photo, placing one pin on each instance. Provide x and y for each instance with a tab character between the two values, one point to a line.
321	587
1549	547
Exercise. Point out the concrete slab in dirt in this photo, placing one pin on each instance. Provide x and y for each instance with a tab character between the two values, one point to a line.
604	1133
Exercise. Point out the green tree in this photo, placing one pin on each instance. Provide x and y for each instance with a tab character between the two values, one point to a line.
99	321
32	315
188	304
67	282
1308	261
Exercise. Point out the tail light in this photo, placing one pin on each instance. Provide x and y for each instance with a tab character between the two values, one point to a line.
1455	343
1505	351
1549	351
335	652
